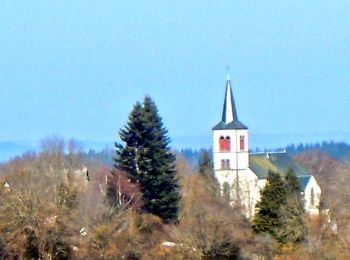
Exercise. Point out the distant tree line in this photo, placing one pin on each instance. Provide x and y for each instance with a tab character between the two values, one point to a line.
193	156
338	150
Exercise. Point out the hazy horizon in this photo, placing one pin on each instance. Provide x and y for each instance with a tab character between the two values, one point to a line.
12	148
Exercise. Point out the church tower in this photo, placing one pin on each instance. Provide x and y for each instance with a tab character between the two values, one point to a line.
230	150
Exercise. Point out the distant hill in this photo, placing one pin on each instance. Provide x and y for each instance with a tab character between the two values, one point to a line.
98	150
337	150
193	156
102	157
320	164
101	152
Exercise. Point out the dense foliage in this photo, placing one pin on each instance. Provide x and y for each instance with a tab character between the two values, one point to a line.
280	212
268	216
148	161
292	213
50	210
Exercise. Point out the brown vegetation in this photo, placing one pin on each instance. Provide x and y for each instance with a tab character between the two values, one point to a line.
49	210
334	178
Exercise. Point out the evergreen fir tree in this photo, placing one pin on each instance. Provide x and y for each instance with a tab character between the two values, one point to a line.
128	155
147	159
273	196
292	183
292	214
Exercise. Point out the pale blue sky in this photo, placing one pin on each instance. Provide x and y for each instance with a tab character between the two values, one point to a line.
75	68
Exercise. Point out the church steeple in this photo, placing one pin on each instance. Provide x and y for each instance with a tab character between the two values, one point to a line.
229	114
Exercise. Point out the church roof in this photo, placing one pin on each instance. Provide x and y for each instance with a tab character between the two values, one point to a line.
229	114
280	162
304	180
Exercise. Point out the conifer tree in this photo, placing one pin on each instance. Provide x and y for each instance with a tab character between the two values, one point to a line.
292	183
292	213
273	196
147	159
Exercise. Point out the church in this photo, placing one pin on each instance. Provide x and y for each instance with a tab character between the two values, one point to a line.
242	175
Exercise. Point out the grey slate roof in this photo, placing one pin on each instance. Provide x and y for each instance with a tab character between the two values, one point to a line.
281	162
304	180
262	163
235	124
233	105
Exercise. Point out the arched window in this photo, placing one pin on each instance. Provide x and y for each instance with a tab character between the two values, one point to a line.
312	197
225	143
225	164
241	142
228	164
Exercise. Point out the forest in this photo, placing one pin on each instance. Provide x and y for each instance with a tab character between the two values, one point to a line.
148	202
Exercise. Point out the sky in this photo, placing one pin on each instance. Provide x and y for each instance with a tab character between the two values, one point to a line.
76	68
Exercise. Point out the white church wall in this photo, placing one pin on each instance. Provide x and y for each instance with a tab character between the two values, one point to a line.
247	189
312	196
242	156
248	183
228	176
260	185
234	136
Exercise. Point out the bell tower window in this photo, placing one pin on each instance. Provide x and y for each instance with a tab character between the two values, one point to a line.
225	144
225	164
222	164
241	142
228	164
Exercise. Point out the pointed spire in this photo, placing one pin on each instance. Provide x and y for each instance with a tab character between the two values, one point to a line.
229	113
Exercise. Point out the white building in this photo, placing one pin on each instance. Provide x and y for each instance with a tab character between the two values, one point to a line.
242	175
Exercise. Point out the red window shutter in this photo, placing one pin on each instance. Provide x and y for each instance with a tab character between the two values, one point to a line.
241	142
222	145
228	144
225	145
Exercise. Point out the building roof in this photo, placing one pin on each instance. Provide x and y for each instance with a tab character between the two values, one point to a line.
280	162
304	180
229	113
233	125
